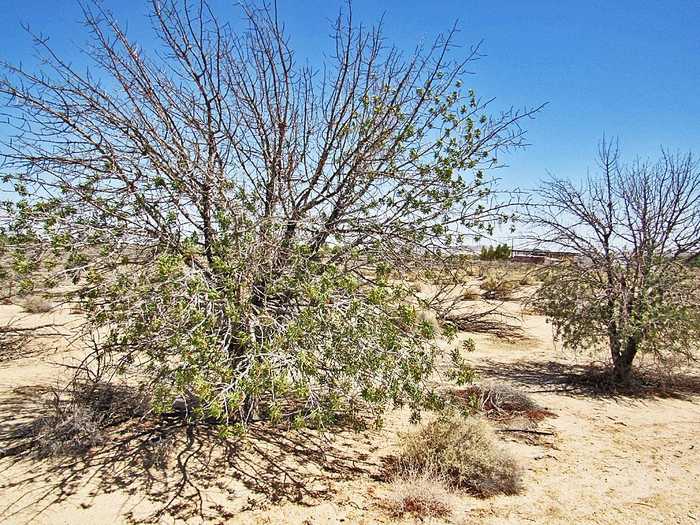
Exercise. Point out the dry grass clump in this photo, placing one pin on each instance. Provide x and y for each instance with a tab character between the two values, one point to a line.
76	422
420	495
527	280
501	401
470	294
36	304
464	452
69	431
498	286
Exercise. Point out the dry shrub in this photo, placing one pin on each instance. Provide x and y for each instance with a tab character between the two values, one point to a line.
420	495
429	317
470	294
36	305
69	430
77	417
464	452
501	401
498	286
527	280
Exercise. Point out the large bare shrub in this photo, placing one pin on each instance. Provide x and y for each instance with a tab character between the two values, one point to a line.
632	228
234	216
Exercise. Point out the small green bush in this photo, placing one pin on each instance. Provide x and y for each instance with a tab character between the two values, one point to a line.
464	452
500	252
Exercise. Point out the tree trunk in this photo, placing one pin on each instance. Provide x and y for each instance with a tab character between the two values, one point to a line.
622	361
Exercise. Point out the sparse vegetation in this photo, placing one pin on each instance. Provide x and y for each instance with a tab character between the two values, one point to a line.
76	418
250	259
36	304
464	452
419	494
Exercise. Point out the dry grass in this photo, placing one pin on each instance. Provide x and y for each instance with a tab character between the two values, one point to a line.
76	418
501	402
464	452
527	280
470	294
68	431
498	286
36	304
420	495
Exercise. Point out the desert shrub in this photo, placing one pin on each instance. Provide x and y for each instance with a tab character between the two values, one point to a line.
470	294
500	401
420	495
498	286
76	418
239	226
36	304
527	280
464	452
70	430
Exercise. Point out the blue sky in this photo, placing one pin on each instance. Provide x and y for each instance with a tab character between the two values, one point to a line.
625	68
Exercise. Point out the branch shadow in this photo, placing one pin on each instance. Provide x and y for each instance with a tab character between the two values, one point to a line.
182	470
592	380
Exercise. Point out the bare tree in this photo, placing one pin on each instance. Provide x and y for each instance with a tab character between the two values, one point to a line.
633	228
235	217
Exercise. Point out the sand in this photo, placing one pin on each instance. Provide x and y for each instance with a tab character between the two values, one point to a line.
601	459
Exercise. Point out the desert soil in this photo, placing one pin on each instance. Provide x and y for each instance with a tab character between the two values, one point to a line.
603	459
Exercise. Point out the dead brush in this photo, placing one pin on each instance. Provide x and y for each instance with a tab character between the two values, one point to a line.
36	304
464	452
69	430
77	417
420	495
470	294
157	451
498	286
499	401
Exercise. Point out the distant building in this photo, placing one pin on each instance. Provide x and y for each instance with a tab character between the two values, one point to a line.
541	256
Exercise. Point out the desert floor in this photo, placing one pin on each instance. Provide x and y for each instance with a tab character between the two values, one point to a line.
603	458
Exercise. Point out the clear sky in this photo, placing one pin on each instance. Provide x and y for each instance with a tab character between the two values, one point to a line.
628	68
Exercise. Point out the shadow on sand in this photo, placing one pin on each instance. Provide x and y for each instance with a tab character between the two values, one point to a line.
176	466
591	380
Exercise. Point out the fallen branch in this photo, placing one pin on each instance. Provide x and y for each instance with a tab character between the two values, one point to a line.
538	432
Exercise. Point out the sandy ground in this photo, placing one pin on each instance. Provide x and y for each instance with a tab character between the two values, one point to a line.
622	459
